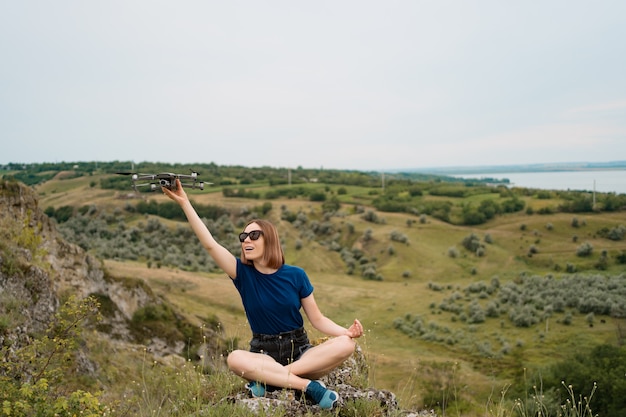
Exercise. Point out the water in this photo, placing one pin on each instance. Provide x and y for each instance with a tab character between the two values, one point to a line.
602	181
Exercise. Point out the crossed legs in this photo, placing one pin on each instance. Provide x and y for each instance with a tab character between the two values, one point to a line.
313	364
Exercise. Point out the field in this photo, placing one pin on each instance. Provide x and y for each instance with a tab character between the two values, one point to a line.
455	357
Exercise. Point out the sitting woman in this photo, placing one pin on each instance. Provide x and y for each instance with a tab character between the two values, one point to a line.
273	293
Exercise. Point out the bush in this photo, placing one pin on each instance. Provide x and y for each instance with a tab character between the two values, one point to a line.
603	366
615	233
32	377
317	196
62	214
472	243
584	250
399	237
473	217
371	216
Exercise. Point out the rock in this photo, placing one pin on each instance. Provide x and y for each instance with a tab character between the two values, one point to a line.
39	269
294	403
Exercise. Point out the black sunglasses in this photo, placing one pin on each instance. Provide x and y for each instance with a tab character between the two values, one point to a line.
254	235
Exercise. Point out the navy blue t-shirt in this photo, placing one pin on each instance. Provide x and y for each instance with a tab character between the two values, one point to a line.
272	301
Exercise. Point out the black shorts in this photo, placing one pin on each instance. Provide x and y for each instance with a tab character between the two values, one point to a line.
285	347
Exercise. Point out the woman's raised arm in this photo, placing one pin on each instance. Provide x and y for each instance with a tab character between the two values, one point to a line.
222	256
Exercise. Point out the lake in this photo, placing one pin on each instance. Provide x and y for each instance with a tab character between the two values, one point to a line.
604	181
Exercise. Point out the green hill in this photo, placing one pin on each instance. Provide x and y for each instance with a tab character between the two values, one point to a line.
463	289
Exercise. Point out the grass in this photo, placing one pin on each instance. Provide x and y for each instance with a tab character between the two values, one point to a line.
404	365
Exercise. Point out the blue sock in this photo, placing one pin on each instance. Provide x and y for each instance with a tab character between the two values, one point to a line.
323	396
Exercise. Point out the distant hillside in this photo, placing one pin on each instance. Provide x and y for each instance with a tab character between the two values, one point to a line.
497	169
464	288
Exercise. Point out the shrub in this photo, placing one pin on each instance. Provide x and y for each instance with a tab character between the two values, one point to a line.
615	233
472	216
492	309
603	366
317	196
584	250
472	243
567	319
399	237
371	216
513	205
603	263
475	313
546	210
453	252
62	214
32	379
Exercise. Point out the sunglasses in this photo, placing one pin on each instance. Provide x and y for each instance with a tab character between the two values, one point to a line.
254	235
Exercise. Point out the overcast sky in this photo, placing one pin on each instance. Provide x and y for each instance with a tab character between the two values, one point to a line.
362	85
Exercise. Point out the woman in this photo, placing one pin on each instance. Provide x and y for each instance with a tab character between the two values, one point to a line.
272	294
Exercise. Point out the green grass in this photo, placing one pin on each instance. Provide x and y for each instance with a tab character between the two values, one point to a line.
408	366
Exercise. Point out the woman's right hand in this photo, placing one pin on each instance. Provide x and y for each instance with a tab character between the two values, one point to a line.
178	195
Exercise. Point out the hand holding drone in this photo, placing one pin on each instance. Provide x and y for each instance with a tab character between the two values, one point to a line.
164	179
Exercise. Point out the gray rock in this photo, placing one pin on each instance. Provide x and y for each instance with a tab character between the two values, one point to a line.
344	380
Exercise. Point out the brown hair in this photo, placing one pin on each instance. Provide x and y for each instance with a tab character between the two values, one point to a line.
273	254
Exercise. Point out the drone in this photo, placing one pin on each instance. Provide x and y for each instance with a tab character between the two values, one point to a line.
164	179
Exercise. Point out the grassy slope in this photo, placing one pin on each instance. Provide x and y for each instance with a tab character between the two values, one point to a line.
398	362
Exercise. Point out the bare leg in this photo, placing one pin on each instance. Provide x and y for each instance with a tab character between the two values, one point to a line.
314	363
263	368
321	359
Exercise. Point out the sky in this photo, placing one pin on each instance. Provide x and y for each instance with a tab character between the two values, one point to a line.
364	85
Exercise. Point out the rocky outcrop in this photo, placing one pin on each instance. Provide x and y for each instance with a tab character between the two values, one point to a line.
345	381
38	269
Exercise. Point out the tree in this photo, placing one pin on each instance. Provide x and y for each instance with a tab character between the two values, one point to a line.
604	365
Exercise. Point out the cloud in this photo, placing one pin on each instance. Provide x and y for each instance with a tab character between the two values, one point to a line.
356	85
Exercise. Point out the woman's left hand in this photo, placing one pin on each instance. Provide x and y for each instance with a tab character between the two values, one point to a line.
356	330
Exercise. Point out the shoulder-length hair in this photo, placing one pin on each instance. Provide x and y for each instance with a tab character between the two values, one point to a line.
273	255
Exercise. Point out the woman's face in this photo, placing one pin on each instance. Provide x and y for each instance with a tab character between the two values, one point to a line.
253	248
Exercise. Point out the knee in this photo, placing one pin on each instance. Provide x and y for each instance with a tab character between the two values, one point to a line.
235	361
345	346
